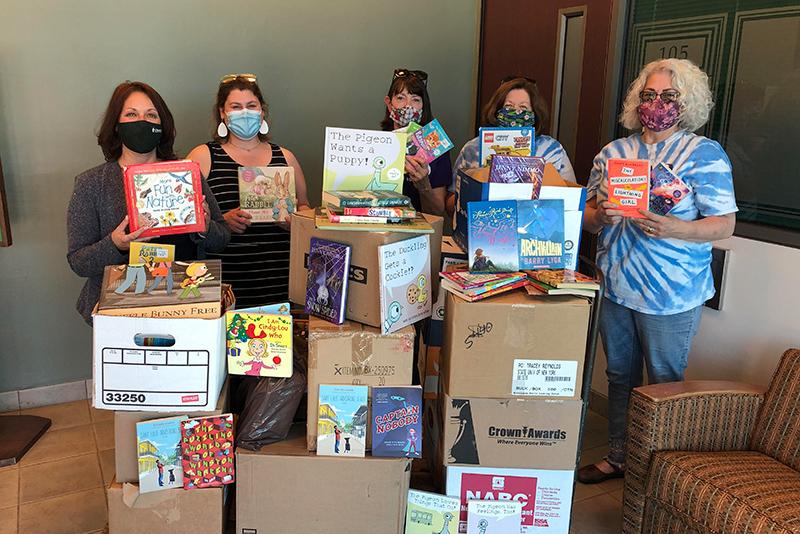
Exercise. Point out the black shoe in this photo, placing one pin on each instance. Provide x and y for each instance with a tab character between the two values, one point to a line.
591	474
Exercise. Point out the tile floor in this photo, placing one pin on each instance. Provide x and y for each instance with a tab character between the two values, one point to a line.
58	487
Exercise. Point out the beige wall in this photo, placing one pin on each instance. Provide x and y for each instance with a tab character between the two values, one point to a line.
320	63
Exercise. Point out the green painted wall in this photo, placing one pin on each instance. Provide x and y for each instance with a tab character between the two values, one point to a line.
320	63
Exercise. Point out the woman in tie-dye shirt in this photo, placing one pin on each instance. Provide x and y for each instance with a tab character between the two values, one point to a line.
657	268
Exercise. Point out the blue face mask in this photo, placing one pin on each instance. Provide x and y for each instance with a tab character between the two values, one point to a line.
244	123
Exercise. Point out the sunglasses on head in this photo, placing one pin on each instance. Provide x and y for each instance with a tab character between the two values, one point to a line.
245	76
406	73
517	77
670	95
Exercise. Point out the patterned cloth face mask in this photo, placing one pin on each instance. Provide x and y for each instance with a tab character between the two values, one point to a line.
508	117
657	115
403	116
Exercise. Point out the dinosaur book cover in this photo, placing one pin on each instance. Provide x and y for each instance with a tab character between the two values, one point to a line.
431	513
397	421
363	160
259	344
207	451
326	286
267	193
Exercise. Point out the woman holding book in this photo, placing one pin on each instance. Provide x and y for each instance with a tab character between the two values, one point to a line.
408	101
137	128
515	104
657	267
256	261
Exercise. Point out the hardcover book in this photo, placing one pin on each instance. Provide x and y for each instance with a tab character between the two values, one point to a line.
267	193
158	445
326	286
564	278
259	344
505	142
666	189
342	420
167	196
468	280
540	230
431	513
207	451
487	487
417	225
365	199
486	517
492	236
363	160
404	268
629	185
397	421
150	253
359	219
430	141
398	213
518	169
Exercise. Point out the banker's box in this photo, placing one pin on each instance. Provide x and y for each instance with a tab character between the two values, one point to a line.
353	353
186	372
473	185
514	345
363	288
285	488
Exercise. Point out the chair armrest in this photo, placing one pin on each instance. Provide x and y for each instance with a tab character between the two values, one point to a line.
696	415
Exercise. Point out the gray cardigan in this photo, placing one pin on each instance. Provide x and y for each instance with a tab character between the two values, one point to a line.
96	208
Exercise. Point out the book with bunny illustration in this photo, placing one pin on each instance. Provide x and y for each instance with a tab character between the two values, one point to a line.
404	268
167	196
326	286
207	451
629	185
259	344
267	193
666	189
431	513
363	160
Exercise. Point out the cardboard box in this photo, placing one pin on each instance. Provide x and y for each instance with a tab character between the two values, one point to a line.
545	510
522	432
363	302
125	446
451	254
285	488
514	344
432	372
200	511
130	374
574	197
353	353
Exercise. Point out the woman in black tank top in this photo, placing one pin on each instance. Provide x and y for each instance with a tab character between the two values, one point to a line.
256	261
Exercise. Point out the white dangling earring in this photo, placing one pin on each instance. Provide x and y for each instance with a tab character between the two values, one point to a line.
222	130
264	130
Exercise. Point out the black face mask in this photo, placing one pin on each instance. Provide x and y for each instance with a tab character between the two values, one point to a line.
140	136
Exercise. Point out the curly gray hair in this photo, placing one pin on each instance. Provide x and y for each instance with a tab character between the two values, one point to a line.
695	98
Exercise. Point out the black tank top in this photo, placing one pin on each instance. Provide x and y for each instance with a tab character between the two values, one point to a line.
255	263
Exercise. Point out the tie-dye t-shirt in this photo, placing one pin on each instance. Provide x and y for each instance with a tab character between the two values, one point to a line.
664	276
546	147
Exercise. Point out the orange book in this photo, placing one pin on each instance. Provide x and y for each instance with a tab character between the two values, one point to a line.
629	185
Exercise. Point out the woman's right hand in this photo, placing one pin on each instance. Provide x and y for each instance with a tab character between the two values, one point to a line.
607	213
122	240
238	220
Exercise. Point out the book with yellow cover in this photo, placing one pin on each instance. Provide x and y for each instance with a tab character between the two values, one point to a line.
259	344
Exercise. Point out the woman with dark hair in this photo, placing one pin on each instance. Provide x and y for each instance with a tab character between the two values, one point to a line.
256	261
407	101
515	104
137	128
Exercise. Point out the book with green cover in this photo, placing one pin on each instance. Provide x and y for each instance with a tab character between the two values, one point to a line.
365	199
431	513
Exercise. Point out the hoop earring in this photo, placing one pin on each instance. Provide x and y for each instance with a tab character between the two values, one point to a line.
222	130
264	129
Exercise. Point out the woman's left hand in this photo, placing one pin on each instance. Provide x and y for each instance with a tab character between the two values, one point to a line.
416	169
660	226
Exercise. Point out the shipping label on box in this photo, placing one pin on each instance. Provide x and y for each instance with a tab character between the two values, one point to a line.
544	378
546	495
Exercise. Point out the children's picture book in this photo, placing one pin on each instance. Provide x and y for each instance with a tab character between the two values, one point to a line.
342	420
150	253
366	199
166	196
411	148
540	230
166	289
158	445
505	142
517	170
268	194
397	421
430	141
326	286
207	451
487	487
492	236
404	268
629	185
487	517
431	513
259	344
363	160
666	189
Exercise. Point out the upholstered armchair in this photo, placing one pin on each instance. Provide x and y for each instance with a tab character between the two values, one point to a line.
709	456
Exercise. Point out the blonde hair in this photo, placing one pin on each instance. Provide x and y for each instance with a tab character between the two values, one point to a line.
695	98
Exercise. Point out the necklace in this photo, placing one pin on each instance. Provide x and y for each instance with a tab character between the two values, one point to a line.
244	148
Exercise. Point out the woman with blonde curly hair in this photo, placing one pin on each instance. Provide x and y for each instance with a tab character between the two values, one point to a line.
657	268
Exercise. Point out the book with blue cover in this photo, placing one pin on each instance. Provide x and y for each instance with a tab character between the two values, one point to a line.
492	236
430	141
540	230
158	445
666	189
326	286
342	420
397	421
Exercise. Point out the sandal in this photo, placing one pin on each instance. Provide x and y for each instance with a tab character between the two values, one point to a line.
591	474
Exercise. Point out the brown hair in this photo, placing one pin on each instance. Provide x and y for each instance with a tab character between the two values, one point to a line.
243	84
107	136
415	86
489	113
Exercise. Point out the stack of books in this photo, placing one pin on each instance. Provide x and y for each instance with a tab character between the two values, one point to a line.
478	286
561	282
370	211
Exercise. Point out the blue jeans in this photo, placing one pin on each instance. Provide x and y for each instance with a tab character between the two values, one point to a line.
631	340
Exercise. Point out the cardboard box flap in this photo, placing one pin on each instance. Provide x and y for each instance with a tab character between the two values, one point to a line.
353	338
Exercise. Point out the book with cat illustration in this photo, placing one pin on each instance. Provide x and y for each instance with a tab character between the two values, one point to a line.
267	193
430	141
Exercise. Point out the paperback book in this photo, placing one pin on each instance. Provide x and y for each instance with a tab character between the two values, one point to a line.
158	443
259	344
504	142
666	189
419	225
365	199
629	185
395	213
535	287
166	197
326	285
363	160
404	268
487	517
397	421
540	230
360	219
430	141
564	279
342	420
517	170
207	451
268	194
431	513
